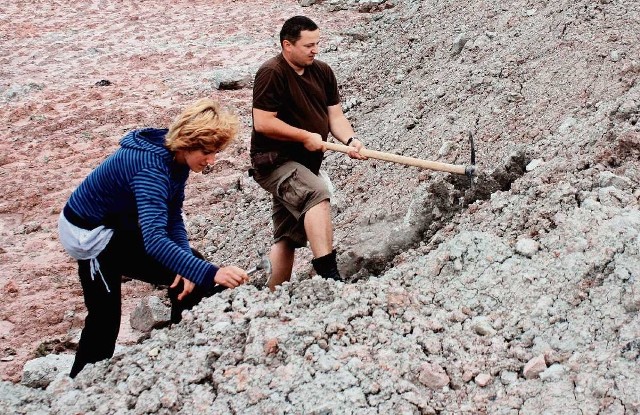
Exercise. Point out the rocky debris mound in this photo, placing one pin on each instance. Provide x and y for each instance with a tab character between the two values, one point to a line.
480	318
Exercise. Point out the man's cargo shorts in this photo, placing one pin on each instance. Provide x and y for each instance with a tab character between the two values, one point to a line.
295	190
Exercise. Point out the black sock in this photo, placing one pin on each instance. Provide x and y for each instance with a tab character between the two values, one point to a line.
326	266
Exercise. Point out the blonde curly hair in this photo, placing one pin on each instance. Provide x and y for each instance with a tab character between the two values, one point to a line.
204	125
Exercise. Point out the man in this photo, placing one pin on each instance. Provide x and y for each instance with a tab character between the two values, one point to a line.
125	218
296	104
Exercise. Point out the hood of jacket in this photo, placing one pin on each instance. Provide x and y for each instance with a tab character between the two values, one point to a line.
148	139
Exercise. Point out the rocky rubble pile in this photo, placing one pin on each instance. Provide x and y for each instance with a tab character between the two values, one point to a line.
517	292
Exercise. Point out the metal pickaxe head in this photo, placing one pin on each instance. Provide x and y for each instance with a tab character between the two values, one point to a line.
470	170
264	264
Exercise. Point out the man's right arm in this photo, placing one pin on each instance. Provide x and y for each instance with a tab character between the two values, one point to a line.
269	124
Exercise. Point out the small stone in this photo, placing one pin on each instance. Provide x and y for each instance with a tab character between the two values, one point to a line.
40	372
31	227
527	247
433	345
631	298
230	79
608	179
483	379
508	377
149	314
534	367
482	326
468	375
458	44
534	164
554	372
445	149
567	125
457	316
615	55
433	376
271	346
201	339
11	287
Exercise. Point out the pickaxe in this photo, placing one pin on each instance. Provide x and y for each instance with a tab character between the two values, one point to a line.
264	264
469	170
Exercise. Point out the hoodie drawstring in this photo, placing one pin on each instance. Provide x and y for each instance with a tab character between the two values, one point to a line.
95	269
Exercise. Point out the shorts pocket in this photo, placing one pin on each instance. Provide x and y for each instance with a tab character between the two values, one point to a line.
291	191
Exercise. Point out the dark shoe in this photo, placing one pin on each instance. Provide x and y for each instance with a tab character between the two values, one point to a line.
327	267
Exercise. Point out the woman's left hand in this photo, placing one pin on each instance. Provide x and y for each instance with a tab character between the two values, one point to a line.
188	286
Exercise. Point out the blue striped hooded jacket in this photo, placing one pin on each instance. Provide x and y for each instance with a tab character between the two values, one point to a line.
141	186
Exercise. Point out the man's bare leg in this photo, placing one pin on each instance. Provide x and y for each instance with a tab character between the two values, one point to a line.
281	257
319	228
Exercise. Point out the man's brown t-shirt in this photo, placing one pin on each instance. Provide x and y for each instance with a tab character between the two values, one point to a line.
301	101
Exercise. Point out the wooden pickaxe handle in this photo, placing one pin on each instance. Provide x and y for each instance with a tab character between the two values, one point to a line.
409	161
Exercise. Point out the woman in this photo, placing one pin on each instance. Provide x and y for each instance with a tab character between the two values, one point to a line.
125	219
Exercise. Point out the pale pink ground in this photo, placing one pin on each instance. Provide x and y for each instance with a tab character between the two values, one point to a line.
57	125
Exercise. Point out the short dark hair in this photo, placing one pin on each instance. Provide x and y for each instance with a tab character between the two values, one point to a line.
293	26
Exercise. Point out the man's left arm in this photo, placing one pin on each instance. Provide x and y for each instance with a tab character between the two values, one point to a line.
342	130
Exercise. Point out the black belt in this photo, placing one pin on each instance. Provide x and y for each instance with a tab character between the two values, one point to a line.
76	220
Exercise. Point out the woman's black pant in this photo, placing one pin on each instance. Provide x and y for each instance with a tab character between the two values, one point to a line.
123	256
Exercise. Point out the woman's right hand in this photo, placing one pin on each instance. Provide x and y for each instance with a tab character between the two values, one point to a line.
231	276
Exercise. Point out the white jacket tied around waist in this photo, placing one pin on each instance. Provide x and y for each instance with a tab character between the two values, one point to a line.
84	244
